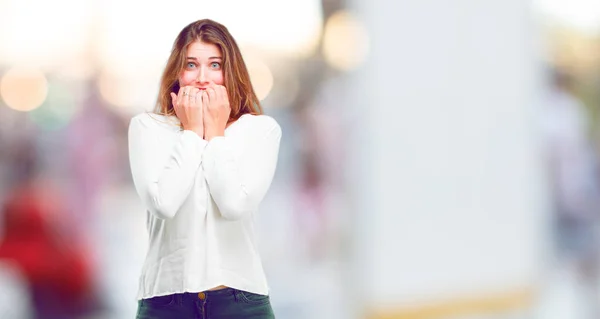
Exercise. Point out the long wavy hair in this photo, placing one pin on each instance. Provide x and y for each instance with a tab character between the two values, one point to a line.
242	97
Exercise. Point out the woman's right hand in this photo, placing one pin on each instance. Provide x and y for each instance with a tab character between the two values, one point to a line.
188	108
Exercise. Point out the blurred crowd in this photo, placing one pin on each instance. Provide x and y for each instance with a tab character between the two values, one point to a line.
572	155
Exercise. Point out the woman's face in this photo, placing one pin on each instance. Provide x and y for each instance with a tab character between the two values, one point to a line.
203	67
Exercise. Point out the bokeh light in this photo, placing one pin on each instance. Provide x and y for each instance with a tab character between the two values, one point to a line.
23	89
345	41
261	77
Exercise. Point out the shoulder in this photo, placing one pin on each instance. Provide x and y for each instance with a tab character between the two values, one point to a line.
148	120
259	123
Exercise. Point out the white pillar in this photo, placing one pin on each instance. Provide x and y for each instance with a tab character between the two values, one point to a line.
446	168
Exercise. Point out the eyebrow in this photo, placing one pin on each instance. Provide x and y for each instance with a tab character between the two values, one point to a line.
211	58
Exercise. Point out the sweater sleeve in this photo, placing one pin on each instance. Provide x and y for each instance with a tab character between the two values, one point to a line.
163	168
239	167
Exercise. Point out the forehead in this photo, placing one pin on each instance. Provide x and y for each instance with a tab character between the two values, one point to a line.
199	49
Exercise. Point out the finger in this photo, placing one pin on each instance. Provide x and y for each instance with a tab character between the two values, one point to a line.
218	93
212	94
224	95
192	96
205	100
180	96
174	99
175	105
188	98
198	98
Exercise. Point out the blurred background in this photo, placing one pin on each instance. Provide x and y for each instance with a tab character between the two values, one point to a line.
439	159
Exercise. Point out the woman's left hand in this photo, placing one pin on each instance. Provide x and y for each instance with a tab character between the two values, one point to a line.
216	111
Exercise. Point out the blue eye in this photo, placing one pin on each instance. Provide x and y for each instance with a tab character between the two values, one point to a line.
215	65
191	65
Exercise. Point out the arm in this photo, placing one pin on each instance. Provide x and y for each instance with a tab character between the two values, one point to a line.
163	170
239	168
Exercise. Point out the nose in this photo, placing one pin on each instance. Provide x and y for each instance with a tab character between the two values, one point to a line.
201	76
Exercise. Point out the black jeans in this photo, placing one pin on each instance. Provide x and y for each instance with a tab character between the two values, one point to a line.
226	303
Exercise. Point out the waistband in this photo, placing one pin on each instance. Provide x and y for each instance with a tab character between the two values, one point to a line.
222	294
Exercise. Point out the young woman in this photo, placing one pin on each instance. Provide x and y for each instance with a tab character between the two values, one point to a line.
201	164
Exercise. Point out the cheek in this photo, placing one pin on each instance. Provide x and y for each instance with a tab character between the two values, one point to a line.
186	78
218	79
